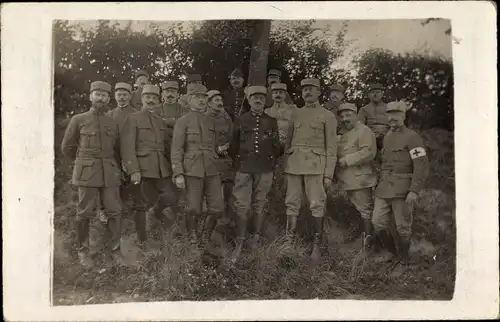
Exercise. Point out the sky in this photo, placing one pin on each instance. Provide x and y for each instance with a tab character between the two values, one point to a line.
399	36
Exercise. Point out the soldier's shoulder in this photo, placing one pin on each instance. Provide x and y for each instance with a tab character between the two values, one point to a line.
184	118
412	135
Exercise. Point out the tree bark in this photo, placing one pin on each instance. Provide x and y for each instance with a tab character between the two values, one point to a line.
257	71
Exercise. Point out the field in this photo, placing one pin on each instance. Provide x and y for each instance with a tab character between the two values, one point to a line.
173	272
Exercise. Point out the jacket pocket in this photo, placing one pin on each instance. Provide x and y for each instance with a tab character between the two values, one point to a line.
319	151
83	169
145	132
193	135
142	153
89	138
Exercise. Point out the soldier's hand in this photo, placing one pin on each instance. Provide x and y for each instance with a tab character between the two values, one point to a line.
179	182
342	163
411	199
327	182
135	178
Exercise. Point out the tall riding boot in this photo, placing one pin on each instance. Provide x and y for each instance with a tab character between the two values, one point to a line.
291	230
82	232
258	221
387	242
209	227
318	225
141	230
405	243
115	229
191	225
241	229
367	234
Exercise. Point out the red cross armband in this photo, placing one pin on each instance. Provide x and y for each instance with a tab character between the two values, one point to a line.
417	152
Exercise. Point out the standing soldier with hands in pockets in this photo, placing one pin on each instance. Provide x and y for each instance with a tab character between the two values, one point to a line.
311	155
145	147
91	141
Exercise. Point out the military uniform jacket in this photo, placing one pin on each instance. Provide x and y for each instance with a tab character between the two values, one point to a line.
405	165
375	117
283	114
120	114
234	102
193	146
145	145
91	140
136	100
311	146
224	129
172	112
255	145
358	147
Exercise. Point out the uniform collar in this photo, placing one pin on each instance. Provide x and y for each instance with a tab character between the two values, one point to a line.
313	105
255	114
123	107
96	112
280	105
400	129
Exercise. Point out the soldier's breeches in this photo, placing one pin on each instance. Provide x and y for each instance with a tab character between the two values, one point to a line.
250	192
87	201
314	190
362	200
198	188
397	207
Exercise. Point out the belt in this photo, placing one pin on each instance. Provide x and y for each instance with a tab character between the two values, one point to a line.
151	149
200	148
95	153
398	175
308	146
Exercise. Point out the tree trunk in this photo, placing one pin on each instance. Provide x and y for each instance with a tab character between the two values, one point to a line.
257	71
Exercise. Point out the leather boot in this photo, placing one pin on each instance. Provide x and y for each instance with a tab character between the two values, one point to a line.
241	229
291	230
258	221
140	225
367	234
115	229
82	233
208	228
388	245
191	225
316	252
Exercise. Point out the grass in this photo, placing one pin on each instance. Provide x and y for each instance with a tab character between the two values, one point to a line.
175	272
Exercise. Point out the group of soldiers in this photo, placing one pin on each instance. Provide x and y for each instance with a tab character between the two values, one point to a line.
219	153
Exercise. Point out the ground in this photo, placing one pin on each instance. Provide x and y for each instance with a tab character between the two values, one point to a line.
174	272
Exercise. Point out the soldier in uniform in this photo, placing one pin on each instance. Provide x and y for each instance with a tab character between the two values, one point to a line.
274	76
280	110
91	141
191	79
311	155
194	164
336	98
141	79
234	98
404	170
255	146
354	172
224	130
145	147
374	115
171	110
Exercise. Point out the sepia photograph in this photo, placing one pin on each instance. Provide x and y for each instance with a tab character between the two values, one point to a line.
248	161
253	159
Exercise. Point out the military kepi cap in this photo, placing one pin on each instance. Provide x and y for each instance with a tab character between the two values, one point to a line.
150	89
397	106
274	72
252	90
310	82
124	86
141	72
375	86
278	86
193	89
212	93
100	86
347	107
170	84
337	88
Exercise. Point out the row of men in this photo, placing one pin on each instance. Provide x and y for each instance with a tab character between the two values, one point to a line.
205	143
